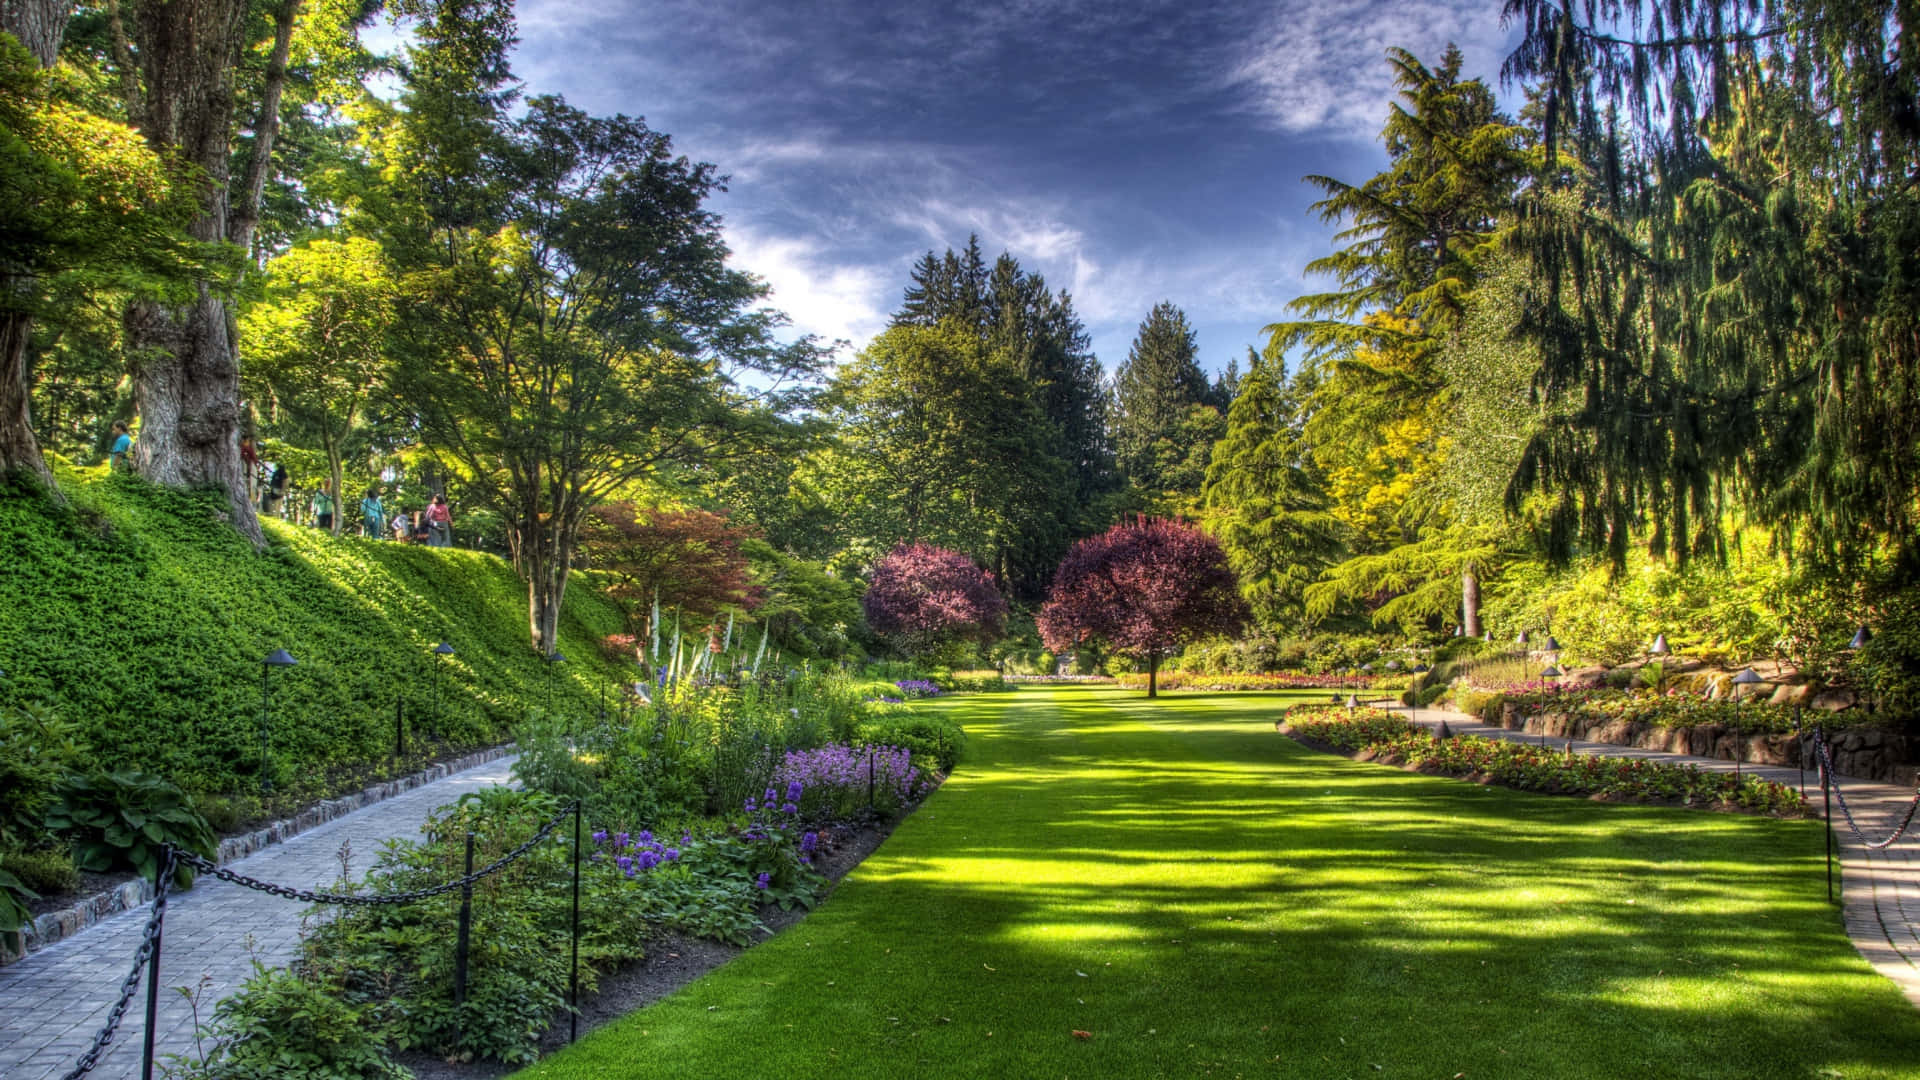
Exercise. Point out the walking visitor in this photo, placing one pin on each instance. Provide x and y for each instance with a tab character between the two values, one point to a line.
323	506
402	526
120	458
439	523
274	501
373	516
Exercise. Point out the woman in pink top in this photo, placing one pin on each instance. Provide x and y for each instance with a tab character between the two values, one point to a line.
439	523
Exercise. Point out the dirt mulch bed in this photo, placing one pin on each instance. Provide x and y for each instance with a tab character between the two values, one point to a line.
672	961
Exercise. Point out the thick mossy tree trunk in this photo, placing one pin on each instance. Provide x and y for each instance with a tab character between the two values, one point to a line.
185	371
40	25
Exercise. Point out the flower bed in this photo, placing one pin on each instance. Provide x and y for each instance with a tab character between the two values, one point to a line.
1380	736
1191	680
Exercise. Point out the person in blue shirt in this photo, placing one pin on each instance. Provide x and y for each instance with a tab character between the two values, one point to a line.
120	459
373	516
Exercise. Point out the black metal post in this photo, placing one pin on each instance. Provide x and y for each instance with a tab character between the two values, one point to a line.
460	943
1800	751
153	970
266	708
438	718
1826	796
573	976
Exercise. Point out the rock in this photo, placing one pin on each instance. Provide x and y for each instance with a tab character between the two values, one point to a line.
1834	700
1791	695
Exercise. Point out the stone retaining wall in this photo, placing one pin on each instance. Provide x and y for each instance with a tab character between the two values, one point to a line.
57	925
1864	753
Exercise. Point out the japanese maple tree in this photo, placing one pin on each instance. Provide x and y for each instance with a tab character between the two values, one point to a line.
923	599
688	560
1145	588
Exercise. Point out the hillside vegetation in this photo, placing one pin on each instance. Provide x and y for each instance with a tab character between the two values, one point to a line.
139	615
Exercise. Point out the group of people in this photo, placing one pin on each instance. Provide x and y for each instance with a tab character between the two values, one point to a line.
432	526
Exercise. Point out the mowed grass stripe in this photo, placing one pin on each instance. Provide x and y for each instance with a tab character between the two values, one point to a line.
1207	898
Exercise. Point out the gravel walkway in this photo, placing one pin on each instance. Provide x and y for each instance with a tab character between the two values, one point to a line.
53	1001
1880	890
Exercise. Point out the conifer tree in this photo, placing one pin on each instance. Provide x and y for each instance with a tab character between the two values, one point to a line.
1154	390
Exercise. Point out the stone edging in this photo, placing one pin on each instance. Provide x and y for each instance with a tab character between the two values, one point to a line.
58	925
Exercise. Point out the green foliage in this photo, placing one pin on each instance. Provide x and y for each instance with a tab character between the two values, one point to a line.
1165	416
138	615
1488	705
125	820
935	739
48	870
37	749
14	915
285	1025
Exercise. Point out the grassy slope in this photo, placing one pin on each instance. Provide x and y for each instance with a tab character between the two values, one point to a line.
1242	906
140	615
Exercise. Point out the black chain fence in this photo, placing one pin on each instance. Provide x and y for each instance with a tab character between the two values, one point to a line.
173	857
1826	767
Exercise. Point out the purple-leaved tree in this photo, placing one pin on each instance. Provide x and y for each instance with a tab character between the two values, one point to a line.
923	599
1145	588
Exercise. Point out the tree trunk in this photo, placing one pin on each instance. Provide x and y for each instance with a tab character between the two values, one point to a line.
39	24
266	129
186	382
1153	674
336	473
546	568
1469	603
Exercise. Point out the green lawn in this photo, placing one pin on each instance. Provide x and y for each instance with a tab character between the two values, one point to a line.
1208	898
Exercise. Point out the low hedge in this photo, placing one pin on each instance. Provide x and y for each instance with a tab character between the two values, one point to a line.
1384	737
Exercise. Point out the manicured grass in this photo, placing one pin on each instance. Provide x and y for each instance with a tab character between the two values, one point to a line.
1208	898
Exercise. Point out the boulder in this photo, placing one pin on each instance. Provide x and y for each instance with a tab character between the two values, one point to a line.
1791	695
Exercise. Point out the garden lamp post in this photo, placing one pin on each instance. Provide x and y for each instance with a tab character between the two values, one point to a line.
1659	646
1353	702
442	649
1748	677
276	658
1521	641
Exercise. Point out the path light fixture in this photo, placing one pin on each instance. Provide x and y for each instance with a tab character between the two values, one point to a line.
1659	646
1860	639
276	658
1487	637
1552	646
1393	665
1366	669
1551	672
1353	702
1748	677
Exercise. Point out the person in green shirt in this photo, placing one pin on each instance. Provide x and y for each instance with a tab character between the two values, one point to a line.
373	516
323	506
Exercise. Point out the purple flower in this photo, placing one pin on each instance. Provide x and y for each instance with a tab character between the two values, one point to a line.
646	836
672	854
625	863
789	808
686	839
809	841
648	860
771	796
794	790
599	837
620	841
764	880
750	806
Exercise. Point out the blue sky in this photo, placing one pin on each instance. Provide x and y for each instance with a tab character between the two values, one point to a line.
1130	152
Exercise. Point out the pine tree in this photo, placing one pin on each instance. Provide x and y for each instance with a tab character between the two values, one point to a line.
1265	498
1154	390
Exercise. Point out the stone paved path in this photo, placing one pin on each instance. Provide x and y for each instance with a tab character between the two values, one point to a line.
1880	890
53	1001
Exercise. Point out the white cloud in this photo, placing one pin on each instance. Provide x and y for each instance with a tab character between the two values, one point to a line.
837	301
1321	66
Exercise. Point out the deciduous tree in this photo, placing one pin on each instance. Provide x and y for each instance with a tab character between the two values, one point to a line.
1145	588
923	598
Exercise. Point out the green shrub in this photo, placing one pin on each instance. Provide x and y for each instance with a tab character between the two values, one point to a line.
1488	705
285	1026
45	871
227	813
934	740
14	915
36	751
125	820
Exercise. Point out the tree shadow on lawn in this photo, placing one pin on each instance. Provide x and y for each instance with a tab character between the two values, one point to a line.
1203	901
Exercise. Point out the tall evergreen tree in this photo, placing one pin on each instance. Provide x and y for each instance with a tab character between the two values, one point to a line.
1154	391
1727	303
1265	498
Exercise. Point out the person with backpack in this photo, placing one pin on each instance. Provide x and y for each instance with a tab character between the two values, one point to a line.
439	523
275	498
373	516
